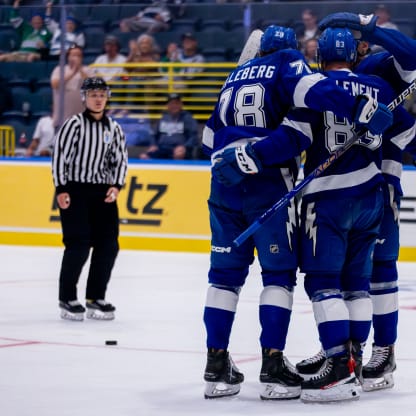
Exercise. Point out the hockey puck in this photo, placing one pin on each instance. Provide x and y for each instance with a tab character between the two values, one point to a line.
111	342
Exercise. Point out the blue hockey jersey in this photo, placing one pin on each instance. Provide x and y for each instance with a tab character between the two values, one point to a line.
258	94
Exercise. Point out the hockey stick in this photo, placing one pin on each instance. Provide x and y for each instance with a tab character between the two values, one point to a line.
284	201
251	47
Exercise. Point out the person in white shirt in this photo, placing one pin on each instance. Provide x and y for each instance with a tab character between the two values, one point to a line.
73	36
43	138
112	55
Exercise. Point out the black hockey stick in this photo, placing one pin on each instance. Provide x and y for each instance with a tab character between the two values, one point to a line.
284	201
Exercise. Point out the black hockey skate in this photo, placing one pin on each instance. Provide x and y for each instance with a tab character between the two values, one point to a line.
279	378
357	358
71	310
100	310
336	382
312	365
377	374
221	374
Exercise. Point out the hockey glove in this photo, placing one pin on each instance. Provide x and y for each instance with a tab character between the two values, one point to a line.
361	22
232	165
369	113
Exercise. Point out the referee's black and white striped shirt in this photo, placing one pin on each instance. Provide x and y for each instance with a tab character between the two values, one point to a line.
89	151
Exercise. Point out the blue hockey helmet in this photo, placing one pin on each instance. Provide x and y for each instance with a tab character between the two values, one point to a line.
276	38
337	44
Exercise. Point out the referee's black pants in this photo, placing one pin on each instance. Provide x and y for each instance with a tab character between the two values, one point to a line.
89	222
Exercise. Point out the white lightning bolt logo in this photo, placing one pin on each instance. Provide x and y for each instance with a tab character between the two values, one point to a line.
310	227
291	222
393	204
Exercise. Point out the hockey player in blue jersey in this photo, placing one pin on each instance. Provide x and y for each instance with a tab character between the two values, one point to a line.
255	97
397	66
356	179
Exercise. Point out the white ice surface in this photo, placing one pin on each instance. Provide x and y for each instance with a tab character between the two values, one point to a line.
51	367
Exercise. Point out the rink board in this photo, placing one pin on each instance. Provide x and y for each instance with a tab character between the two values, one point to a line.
162	207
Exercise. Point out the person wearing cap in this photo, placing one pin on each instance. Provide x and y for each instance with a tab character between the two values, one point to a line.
112	56
73	36
34	37
89	168
176	134
188	54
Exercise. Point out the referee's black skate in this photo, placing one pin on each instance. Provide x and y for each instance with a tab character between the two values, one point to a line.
100	309
377	374
71	310
312	365
278	377
221	374
336	382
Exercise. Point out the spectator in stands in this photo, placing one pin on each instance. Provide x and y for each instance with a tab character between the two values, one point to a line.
310	28
172	55
34	37
72	33
144	49
113	56
43	138
189	54
74	74
384	17
383	20
311	46
152	19
176	135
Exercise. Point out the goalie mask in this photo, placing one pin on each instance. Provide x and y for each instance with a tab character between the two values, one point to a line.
94	83
276	38
337	45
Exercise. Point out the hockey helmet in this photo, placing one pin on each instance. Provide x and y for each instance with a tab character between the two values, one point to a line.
94	83
337	44
276	38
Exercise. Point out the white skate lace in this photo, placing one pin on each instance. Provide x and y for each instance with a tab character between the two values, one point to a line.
316	358
326	370
378	356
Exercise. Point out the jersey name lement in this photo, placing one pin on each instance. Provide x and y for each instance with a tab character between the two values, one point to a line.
355	88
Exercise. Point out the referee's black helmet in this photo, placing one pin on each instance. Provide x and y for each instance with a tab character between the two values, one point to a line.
94	83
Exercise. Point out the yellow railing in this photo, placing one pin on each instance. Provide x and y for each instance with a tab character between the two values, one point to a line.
142	88
7	141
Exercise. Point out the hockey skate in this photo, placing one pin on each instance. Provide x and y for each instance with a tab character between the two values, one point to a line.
100	310
71	310
278	377
357	358
221	374
336	382
377	374
312	365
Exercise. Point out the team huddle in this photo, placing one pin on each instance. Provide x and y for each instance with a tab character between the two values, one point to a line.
342	232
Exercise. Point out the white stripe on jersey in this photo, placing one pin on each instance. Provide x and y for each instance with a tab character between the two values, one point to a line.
407	76
402	139
392	167
304	128
303	86
346	180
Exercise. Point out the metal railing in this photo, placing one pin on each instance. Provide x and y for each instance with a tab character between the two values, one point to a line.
7	141
141	89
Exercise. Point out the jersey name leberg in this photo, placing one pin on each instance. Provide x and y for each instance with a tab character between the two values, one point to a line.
252	72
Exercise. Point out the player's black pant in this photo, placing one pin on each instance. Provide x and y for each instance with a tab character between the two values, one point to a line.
89	222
